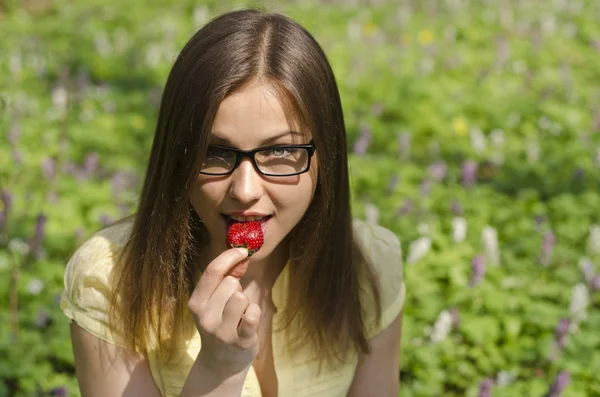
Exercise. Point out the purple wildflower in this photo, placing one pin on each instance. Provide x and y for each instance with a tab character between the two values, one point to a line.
17	157
40	226
406	208
122	181
547	248
69	168
425	187
91	164
485	387
362	143
14	133
49	168
83	82
5	204
59	392
561	332
38	237
455	314
43	319
578	175
469	173
377	109
596	283
394	180
105	219
478	267
404	141
539	221
561	382
438	170
456	208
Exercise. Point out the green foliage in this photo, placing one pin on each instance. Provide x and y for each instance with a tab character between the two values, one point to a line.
510	86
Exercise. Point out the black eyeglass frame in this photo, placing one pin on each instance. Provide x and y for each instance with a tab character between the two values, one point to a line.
240	154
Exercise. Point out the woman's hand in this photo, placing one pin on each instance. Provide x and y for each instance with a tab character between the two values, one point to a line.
226	319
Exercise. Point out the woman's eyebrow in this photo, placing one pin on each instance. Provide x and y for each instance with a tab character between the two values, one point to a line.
226	141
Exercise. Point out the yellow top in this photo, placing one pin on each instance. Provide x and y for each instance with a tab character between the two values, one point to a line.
85	301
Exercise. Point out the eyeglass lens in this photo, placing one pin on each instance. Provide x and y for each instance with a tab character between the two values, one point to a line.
275	161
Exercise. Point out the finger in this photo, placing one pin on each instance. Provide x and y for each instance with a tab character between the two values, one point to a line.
233	312
250	321
215	272
215	306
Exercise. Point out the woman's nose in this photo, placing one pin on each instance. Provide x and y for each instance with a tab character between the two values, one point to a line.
245	183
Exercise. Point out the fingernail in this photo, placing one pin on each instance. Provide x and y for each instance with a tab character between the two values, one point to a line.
243	251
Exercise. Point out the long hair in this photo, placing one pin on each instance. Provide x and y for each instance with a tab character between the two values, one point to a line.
328	271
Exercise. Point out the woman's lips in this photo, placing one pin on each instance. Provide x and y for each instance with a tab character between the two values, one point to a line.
264	223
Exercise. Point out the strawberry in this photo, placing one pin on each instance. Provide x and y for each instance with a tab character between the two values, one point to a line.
247	235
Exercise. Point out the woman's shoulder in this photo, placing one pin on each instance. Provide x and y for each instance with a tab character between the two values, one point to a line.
377	240
382	250
96	256
88	279
105	242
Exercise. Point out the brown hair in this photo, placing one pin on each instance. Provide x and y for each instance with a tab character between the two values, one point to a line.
327	267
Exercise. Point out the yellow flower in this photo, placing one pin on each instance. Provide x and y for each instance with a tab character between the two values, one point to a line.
139	122
460	126
426	37
369	29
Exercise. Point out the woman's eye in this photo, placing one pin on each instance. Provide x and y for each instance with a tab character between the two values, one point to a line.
215	151
278	152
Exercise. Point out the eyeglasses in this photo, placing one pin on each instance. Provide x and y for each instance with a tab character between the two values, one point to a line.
283	160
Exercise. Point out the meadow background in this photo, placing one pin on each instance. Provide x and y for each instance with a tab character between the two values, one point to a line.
474	128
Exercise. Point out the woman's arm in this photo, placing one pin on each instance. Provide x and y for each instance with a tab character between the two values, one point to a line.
106	370
378	374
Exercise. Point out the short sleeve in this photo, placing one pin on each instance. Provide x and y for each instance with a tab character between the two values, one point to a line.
87	285
382	249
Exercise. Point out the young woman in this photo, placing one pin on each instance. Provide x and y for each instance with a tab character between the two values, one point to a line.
250	144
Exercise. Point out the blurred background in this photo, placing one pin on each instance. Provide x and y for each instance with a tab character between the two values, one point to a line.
474	130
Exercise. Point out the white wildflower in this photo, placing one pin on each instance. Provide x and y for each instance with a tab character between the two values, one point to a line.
498	137
478	140
587	268
580	299
102	44
489	237
153	55
519	66
60	97
442	327
19	246
498	157
426	65
505	378
593	244
423	228
200	15
459	229
549	25
418	249
35	286
372	214
15	63
354	30
121	38
570	30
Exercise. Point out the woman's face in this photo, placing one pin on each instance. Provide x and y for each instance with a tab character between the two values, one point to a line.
251	118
